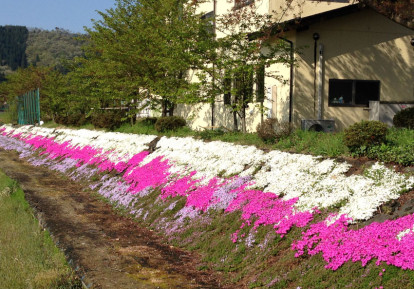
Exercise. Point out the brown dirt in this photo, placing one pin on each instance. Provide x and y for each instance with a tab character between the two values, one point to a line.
105	249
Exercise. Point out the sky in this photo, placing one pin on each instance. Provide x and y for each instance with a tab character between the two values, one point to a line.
71	15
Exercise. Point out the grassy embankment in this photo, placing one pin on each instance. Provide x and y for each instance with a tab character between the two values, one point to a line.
28	256
266	260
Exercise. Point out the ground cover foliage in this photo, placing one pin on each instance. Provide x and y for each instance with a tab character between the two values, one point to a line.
28	256
270	220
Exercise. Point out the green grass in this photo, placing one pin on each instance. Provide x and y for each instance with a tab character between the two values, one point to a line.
28	256
142	128
9	116
398	148
5	117
317	143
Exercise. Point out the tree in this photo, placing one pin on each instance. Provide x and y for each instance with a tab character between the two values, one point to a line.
400	11
142	50
24	80
27	79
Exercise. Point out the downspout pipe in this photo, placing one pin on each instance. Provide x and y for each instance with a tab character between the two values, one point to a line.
315	37
291	77
214	31
320	82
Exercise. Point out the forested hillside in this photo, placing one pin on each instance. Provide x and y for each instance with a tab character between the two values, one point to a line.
21	47
49	48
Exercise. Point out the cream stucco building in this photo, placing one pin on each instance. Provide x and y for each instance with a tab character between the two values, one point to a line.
351	64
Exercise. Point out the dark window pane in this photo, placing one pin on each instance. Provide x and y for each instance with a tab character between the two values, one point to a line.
340	92
248	88
241	3
366	91
227	88
260	82
208	23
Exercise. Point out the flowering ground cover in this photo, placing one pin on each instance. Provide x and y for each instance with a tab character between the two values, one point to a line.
186	182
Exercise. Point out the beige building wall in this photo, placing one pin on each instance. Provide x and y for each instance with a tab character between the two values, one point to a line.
363	45
198	116
278	88
224	7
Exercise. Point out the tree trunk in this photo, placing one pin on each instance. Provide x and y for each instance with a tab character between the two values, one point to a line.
235	124
167	108
243	119
163	108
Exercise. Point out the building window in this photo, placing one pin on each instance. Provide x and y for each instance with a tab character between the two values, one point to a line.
227	88
238	86
260	84
243	86
241	3
352	92
208	19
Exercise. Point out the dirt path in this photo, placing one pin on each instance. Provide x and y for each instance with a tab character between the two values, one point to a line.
107	250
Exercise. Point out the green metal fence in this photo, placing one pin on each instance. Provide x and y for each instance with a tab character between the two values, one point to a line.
29	108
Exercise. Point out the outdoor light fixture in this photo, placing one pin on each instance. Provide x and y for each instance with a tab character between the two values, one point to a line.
316	36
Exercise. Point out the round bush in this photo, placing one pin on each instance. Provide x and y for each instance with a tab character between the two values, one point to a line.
149	120
169	123
362	135
404	118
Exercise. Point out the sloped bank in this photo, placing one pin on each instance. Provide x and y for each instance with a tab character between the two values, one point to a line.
236	203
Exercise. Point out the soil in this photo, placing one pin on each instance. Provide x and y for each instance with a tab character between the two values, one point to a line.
105	249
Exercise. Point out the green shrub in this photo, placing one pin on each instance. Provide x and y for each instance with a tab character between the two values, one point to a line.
148	120
365	134
169	123
61	119
271	130
402	154
404	118
208	134
76	119
398	148
110	119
